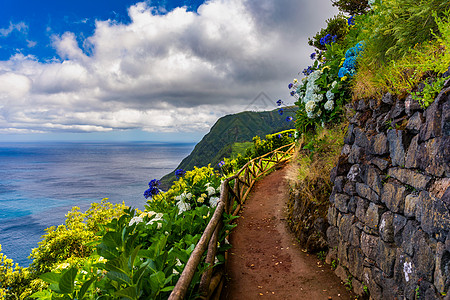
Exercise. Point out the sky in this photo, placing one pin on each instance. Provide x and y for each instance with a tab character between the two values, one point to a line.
146	70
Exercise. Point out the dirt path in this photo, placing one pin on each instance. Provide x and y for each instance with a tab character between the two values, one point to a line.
266	260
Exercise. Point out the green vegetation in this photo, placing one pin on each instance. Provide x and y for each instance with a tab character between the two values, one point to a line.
218	143
63	245
395	46
257	148
111	251
407	44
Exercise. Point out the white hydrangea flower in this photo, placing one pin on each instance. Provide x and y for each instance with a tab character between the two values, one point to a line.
213	201
178	264
317	98
211	191
183	206
189	196
157	217
135	220
333	85
330	95
310	106
329	105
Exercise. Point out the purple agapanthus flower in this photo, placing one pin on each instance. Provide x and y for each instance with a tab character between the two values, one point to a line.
351	21
180	173
290	85
292	93
307	71
279	102
151	192
279	136
154	183
153	188
289	119
280	111
313	56
221	164
328	39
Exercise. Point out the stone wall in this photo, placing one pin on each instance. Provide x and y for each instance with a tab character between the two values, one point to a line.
389	216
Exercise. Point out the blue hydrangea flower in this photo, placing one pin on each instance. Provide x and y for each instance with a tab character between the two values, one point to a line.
350	52
360	46
350	63
280	111
179	173
351	21
342	72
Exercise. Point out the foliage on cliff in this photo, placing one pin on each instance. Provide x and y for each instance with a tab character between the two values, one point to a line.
217	144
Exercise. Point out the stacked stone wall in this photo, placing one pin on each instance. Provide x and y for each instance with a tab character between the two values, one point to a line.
389	217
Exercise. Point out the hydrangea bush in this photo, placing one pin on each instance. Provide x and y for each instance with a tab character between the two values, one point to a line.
322	94
140	255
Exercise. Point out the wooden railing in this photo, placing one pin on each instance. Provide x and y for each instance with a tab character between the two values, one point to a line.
233	190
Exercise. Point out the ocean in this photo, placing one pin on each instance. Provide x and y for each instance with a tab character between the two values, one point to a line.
41	181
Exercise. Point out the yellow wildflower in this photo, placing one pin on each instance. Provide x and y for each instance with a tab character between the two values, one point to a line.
326	68
344	78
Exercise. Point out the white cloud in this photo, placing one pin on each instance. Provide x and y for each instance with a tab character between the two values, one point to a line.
178	71
21	27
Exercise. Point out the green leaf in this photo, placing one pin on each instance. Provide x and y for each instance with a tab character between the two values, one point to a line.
107	252
119	277
118	264
157	280
129	292
139	274
133	255
66	283
112	240
168	289
85	287
43	295
50	277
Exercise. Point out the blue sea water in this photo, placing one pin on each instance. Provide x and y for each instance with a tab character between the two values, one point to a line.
40	182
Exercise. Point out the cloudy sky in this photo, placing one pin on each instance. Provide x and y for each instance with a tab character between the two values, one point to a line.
154	70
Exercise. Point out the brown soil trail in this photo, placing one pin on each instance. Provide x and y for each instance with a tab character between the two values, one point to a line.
266	261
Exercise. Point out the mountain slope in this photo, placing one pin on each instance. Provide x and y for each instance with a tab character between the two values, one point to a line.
226	131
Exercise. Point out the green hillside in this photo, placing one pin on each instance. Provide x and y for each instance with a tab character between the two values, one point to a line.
241	127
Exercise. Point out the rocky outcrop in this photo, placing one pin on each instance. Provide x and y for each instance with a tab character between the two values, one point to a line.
389	215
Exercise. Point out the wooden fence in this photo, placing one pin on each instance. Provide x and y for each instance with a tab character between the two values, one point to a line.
233	191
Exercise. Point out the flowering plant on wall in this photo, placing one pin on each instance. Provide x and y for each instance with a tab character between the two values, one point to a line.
325	89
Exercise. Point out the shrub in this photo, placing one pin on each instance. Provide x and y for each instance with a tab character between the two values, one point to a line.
141	254
352	7
336	30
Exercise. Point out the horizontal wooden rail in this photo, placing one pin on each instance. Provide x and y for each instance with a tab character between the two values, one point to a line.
243	181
